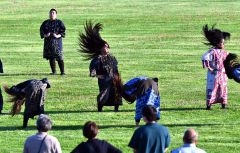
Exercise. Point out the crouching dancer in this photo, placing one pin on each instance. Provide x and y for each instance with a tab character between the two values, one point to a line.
145	91
33	93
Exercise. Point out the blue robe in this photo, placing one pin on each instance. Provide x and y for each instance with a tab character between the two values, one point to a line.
145	91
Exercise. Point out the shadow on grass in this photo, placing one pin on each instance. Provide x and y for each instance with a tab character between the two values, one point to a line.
23	74
182	109
39	74
62	127
79	127
86	111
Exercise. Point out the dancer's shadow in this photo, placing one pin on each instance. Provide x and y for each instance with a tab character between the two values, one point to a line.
38	74
182	109
62	127
87	111
23	74
193	125
80	127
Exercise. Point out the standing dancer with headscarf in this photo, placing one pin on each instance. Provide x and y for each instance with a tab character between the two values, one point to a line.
213	60
103	65
33	93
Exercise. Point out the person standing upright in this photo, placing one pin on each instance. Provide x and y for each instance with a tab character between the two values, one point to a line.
53	30
213	60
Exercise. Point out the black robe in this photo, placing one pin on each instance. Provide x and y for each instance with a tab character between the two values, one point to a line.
53	47
34	92
106	66
1	100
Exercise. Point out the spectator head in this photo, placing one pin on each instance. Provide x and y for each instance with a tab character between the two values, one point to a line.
44	123
190	136
90	130
149	112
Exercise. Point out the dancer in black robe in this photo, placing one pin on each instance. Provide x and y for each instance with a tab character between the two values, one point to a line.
32	93
103	65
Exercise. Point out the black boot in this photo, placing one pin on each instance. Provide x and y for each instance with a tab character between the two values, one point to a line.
53	66
100	108
223	106
116	108
25	121
208	107
61	66
1	101
1	67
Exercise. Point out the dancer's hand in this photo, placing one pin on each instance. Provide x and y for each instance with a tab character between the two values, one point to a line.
56	35
214	71
47	35
100	76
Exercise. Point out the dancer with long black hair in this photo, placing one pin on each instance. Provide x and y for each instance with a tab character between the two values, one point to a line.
213	60
103	65
32	93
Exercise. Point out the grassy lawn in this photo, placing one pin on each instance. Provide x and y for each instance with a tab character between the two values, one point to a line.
152	38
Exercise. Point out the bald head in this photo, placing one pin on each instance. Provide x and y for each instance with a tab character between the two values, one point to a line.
190	136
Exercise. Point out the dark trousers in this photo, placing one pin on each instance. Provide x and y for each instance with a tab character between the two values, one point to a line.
52	63
1	100
1	67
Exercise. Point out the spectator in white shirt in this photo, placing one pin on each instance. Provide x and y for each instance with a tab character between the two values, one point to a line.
190	140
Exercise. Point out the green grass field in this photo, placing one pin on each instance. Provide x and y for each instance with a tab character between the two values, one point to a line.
153	38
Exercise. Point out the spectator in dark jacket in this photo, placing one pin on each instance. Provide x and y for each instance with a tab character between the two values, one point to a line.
94	145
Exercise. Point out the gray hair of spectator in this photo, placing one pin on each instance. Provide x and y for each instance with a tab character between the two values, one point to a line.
44	123
190	136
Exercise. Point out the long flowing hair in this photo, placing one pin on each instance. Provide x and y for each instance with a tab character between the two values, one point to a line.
231	62
17	99
91	42
213	35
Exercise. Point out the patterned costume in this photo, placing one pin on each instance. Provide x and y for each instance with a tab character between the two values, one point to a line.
213	60
33	93
53	46
216	81
145	91
103	66
107	67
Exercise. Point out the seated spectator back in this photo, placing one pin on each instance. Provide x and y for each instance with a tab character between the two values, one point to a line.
152	137
42	142
94	145
190	140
